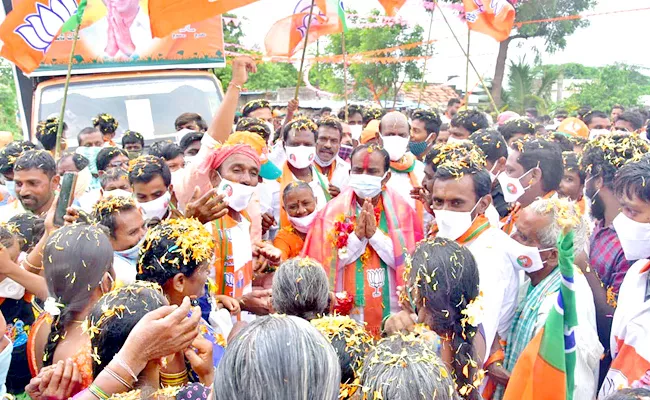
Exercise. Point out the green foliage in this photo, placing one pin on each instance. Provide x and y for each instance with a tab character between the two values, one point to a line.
373	80
269	76
8	102
529	86
613	84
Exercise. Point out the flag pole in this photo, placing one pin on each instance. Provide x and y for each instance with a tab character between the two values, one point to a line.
59	130
496	109
424	67
469	31
345	74
304	48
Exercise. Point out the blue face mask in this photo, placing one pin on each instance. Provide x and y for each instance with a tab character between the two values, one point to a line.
417	148
91	154
11	188
131	255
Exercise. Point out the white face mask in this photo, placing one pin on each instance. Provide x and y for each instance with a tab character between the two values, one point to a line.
453	224
300	156
634	237
155	208
237	195
131	254
395	146
511	187
493	177
302	224
323	163
366	186
526	258
116	193
453	139
594	133
355	131
189	159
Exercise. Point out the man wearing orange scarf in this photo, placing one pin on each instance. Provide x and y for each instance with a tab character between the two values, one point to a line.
406	171
460	195
362	238
233	169
534	169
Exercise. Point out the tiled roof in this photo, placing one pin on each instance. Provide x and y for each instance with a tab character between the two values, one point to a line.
434	95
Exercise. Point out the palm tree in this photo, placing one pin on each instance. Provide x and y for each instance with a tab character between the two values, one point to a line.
529	87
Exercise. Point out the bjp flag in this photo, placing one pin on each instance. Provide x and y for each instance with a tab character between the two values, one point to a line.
392	6
167	16
31	27
491	17
287	35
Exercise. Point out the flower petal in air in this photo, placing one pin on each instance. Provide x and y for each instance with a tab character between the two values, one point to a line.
29	34
51	21
37	24
59	9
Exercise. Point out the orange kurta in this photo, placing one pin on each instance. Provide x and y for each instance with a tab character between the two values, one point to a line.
289	243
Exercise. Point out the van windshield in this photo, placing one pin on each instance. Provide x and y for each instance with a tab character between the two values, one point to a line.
148	105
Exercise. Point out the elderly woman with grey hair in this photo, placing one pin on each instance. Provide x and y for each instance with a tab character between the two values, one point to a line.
278	357
300	288
405	367
538	228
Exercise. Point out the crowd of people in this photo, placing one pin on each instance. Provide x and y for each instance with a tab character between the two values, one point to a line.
372	254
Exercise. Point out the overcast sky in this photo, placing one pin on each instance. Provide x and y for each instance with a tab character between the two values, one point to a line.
610	38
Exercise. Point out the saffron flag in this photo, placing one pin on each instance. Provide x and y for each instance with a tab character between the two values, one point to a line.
546	367
287	35
166	16
392	6
30	28
493	17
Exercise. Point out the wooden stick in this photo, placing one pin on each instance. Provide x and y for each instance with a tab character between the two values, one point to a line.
496	109
424	67
59	130
304	48
345	74
469	31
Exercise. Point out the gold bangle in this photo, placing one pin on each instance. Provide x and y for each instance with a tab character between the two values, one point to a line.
174	379
32	266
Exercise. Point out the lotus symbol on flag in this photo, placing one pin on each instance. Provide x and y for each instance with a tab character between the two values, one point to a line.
42	27
376	280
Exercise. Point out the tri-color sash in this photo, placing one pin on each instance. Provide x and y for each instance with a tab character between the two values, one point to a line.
226	279
367	277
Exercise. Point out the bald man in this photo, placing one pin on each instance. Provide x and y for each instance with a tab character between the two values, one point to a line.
406	171
5	138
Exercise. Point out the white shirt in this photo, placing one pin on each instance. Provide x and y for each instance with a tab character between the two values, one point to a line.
589	349
401	182
383	245
493	216
630	327
499	283
11	209
341	174
125	272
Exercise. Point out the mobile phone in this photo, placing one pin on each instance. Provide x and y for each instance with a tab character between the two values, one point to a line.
66	195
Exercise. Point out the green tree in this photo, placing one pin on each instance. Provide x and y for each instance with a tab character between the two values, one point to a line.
529	86
8	103
269	76
554	33
614	84
373	80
